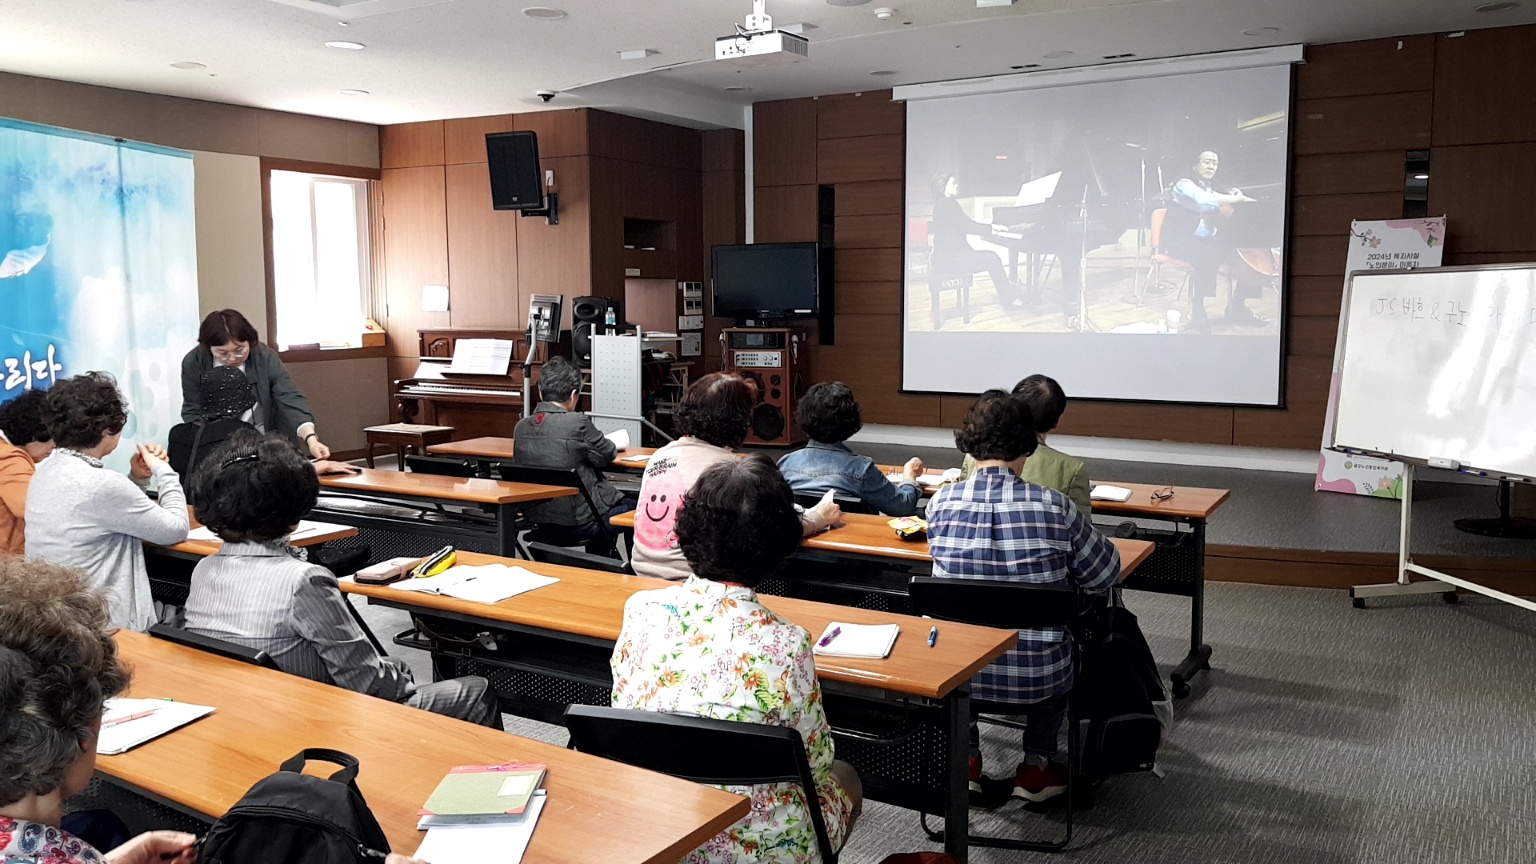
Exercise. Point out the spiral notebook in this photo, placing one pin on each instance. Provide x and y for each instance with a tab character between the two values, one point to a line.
869	641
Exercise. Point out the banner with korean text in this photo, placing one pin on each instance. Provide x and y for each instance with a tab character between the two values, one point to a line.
98	268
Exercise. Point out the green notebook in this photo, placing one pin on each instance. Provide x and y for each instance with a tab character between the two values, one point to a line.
485	790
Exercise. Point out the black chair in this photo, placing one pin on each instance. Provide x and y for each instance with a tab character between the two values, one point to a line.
1013	606
849	503
213	645
444	465
713	752
547	554
570	478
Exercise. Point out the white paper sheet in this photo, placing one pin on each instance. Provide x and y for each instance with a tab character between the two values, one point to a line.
488	583
119	736
305	531
1106	492
505	842
620	438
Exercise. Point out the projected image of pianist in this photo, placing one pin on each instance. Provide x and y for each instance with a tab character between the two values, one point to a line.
1192	234
952	251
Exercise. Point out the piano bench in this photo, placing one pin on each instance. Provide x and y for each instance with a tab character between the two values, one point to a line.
403	437
960	283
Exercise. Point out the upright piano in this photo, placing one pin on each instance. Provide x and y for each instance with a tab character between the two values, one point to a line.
475	405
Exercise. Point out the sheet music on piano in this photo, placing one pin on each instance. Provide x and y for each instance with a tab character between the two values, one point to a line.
480	357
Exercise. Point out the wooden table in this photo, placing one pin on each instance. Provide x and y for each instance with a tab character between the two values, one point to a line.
203	548
585	609
488	451
499	497
871	537
404	436
1178	565
598	811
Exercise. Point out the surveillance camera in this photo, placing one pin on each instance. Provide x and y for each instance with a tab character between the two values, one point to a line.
546	95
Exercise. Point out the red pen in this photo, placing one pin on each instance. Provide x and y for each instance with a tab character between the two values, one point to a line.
116	720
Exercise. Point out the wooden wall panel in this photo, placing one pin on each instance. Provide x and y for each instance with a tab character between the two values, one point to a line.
849	115
619	136
1331	214
723	150
561	133
952	411
1348	173
1312	336
1354	124
868	265
1319	256
1196	423
784	214
1365	68
877	384
1485	191
464	137
412	145
1316	295
784	143
1483	85
870	198
867	232
1300	424
558	259
868	298
850	160
482	253
415	251
723	221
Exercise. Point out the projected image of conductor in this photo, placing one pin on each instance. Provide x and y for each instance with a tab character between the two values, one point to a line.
952	250
1192	233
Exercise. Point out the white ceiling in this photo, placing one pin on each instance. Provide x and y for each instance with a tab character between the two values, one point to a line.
431	59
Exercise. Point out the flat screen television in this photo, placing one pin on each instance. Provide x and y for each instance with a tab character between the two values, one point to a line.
763	281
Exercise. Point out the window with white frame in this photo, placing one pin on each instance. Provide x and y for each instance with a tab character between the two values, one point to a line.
321	262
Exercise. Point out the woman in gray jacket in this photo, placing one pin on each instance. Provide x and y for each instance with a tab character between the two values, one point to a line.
226	338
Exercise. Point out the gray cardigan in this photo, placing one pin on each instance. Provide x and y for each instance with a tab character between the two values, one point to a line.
283	407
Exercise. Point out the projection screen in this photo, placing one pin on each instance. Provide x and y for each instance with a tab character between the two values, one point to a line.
1125	237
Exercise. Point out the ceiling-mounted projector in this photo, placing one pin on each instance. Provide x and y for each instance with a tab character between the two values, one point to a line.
758	44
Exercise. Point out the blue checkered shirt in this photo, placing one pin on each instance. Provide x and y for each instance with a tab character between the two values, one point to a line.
996	526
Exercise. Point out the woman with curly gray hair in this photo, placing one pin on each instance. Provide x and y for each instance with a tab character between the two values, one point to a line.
58	665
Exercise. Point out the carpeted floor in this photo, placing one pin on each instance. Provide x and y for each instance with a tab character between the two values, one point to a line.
1405	732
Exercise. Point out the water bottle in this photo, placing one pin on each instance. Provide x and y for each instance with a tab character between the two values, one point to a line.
609	320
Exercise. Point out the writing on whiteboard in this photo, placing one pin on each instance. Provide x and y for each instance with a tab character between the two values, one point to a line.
1449	312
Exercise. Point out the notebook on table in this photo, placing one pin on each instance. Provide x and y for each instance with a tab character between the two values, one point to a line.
482	794
1106	492
127	723
869	641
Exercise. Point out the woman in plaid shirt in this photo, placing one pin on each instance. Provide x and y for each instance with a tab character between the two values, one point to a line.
994	525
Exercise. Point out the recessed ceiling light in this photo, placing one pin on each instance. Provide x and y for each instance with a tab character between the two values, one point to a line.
354	92
544	13
1421	176
188	64
846	2
346	46
737	89
883	72
1261	31
1495	7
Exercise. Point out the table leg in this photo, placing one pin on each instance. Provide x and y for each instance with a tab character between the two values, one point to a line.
368	454
1199	657
506	530
957	800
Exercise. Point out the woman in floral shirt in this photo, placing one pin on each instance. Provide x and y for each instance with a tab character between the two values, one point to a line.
708	648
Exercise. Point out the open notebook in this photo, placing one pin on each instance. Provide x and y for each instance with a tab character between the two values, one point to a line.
127	723
871	641
487	583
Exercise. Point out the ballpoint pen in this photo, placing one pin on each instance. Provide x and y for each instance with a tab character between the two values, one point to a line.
933	636
827	639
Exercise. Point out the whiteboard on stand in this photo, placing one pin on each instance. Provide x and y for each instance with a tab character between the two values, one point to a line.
1437	367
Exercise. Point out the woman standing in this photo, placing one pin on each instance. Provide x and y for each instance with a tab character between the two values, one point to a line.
226	338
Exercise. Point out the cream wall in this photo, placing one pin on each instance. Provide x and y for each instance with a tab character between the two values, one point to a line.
228	142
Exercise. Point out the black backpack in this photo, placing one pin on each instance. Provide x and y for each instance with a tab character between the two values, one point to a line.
299	819
187	444
1125	701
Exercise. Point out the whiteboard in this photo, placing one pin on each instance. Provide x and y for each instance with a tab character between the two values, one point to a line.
1440	364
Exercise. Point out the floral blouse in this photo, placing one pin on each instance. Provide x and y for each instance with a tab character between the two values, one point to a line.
709	649
23	842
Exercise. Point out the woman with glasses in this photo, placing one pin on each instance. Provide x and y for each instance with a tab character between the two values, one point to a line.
277	405
81	514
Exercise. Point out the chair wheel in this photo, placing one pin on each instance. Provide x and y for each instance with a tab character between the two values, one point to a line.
1451	597
1357	602
1180	689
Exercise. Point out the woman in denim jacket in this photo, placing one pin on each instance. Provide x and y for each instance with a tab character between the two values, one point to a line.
830	415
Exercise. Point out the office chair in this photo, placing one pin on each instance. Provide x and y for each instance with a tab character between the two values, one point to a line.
547	554
1011	606
570	478
443	465
713	752
213	645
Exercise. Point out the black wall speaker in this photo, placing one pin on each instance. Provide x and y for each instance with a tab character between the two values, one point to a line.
588	316
517	182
